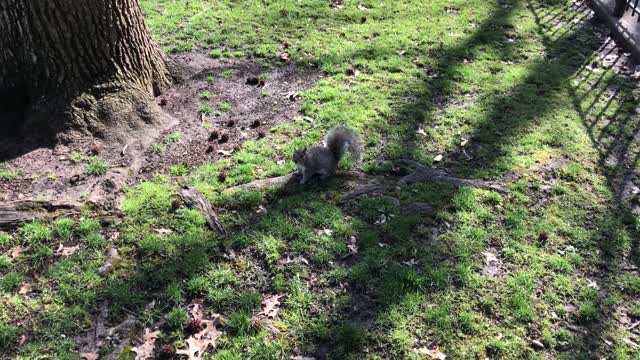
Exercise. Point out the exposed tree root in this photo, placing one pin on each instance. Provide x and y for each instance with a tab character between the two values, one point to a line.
16	213
420	173
369	189
103	194
288	179
194	199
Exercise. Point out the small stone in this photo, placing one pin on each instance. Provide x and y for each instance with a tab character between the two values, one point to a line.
537	345
95	149
74	179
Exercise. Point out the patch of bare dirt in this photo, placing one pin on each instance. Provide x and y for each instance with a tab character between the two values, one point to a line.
259	97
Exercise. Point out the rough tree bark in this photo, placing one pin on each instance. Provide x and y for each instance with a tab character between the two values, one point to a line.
76	68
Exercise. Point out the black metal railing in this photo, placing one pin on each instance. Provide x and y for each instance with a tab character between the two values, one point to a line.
625	5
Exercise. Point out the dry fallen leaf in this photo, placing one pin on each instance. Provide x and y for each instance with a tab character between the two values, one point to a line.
411	262
438	158
421	132
295	260
353	245
382	219
270	306
23	339
489	257
24	289
112	257
261	209
163	231
225	153
16	251
292	95
195	310
327	232
300	357
432	353
89	356
145	350
199	342
631	342
67	250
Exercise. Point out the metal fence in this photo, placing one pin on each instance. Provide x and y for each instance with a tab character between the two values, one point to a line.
625	5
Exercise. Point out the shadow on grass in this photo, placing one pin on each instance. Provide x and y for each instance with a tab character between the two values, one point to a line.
401	256
507	117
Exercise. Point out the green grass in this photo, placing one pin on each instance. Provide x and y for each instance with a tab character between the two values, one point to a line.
225	106
500	77
226	74
77	156
172	137
7	174
156	148
205	108
205	95
179	170
96	166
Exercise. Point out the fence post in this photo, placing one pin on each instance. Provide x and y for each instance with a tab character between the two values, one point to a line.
618	11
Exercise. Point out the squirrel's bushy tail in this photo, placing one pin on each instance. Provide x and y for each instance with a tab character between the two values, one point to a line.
341	139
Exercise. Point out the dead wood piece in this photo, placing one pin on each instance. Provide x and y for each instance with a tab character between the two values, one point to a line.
280	180
368	190
10	218
422	174
194	199
418	208
543	168
18	212
15	213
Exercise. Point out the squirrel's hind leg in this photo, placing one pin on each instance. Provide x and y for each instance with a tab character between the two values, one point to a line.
305	177
325	174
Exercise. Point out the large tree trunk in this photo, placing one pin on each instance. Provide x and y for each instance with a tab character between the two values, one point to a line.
75	68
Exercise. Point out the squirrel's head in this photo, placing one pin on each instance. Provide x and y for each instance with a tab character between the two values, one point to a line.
298	155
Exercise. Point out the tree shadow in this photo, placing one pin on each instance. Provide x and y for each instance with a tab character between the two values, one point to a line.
401	256
507	117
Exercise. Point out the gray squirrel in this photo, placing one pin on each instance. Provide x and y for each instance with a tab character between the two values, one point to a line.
323	160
